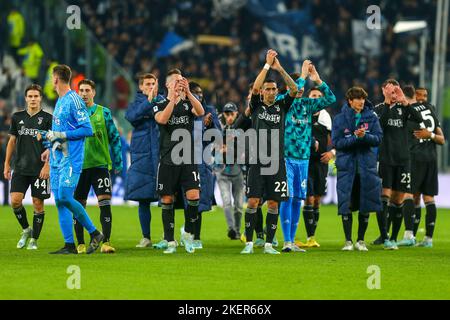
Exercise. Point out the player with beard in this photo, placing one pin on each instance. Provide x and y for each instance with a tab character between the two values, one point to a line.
177	113
394	165
268	115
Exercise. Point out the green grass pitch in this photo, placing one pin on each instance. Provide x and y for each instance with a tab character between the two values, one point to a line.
219	271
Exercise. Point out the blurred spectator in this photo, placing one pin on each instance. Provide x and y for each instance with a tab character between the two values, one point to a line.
16	24
122	92
32	59
132	33
6	83
76	78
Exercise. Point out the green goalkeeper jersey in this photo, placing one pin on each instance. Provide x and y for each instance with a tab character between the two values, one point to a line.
106	135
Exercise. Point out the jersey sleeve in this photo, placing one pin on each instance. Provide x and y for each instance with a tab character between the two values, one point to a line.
255	102
114	140
13	127
382	112
159	106
287	102
48	123
300	85
79	122
316	105
78	111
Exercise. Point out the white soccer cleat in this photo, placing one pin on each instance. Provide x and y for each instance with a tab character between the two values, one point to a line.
172	248
26	234
32	245
348	246
361	246
144	243
198	244
188	242
268	249
248	248
296	248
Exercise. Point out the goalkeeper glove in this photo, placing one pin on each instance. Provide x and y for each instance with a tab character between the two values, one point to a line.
53	136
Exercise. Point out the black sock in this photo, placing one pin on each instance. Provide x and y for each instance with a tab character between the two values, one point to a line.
308	216
430	218
382	219
408	214
259	224
191	215
418	216
79	231
271	224
94	233
198	226
389	217
188	227
106	218
363	222
250	221
168	218
316	219
21	215
397	219
38	222
347	222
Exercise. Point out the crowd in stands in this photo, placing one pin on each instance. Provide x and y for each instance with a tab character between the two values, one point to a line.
132	31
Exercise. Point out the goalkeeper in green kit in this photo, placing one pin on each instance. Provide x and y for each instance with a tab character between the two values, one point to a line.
97	164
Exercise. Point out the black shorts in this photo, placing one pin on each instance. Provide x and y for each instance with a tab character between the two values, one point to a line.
270	187
396	178
173	177
317	179
424	178
40	188
98	178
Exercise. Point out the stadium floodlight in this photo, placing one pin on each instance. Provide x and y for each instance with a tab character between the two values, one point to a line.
409	26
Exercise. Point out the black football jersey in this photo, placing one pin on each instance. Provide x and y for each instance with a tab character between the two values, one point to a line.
394	149
270	118
25	128
423	150
181	118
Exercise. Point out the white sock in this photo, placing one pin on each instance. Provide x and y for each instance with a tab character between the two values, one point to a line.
427	239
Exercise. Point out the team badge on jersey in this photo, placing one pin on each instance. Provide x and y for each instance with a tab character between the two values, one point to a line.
40	119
